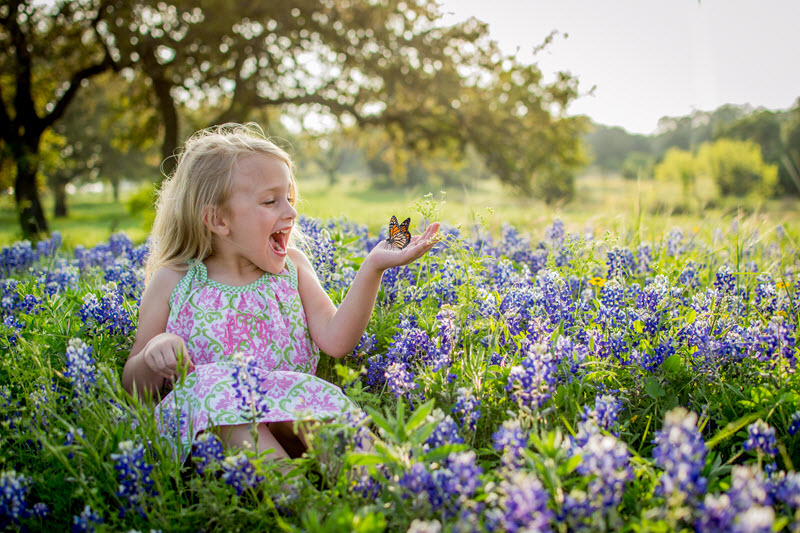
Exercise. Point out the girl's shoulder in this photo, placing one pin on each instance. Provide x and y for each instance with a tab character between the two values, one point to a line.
164	280
297	256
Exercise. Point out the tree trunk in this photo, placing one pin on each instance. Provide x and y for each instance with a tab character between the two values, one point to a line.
60	197
169	115
31	216
115	189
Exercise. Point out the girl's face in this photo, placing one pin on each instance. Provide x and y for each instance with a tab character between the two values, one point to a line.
259	212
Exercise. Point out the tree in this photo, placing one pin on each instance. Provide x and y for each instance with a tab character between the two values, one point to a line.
764	127
678	165
367	63
737	167
610	146
638	165
47	51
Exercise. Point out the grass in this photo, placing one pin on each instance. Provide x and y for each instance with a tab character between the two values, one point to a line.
602	203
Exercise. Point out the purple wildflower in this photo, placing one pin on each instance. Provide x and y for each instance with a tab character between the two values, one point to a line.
467	409
510	440
239	472
248	387
761	438
133	473
207	451
80	367
522	506
86	521
681	452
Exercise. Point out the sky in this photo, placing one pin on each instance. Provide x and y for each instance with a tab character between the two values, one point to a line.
652	58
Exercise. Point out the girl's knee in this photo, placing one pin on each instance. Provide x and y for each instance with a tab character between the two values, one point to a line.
240	437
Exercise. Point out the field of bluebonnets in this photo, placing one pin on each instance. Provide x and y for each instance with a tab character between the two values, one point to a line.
561	381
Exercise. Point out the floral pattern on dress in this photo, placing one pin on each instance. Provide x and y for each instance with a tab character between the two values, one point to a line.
264	320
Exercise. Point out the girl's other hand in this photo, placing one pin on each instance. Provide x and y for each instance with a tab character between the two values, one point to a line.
385	255
165	355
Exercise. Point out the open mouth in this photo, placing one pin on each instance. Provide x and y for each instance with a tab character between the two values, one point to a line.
278	241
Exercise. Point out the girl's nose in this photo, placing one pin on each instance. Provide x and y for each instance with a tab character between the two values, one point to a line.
291	212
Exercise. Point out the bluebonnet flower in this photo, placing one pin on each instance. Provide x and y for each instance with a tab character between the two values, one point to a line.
761	438
522	506
605	461
367	487
688	278
86	521
749	487
129	281
681	452
445	432
510	440
120	244
467	409
14	506
675	242
108	313
323	259
12	325
573	353
171	423
445	488
652	362
532	383
16	258
207	451
80	367
400	380
794	426
724	281
133	474
239	473
745	507
620	263
69	439
248	387
787	489
766	295
715	514
48	247
644	258
366	345
605	413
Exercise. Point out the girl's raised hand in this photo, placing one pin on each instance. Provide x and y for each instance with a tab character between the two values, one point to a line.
385	256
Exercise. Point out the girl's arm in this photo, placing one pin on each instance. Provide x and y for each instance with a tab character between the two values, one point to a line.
337	331
155	354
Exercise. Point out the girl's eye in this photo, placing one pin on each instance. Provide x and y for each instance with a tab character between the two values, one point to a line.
268	202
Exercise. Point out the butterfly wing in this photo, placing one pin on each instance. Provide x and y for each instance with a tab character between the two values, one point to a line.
399	236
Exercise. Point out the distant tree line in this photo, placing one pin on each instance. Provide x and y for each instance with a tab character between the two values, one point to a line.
762	141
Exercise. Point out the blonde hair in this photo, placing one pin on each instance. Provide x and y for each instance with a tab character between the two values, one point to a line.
203	177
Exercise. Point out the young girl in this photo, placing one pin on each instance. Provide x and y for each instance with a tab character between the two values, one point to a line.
224	280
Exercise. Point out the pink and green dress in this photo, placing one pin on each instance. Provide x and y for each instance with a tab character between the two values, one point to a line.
264	320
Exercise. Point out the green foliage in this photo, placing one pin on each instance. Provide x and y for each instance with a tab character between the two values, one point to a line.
737	168
678	165
638	165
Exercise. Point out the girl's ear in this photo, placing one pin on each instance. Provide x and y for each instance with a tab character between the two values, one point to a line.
214	220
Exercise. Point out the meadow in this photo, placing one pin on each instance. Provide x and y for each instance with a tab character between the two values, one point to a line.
614	364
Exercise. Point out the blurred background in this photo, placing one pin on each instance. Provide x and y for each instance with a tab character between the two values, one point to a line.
608	115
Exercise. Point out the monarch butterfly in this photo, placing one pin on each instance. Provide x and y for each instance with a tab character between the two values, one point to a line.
399	236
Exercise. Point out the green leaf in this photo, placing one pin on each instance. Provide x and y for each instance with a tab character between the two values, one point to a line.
419	416
653	388
733	427
672	364
380	420
691	315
